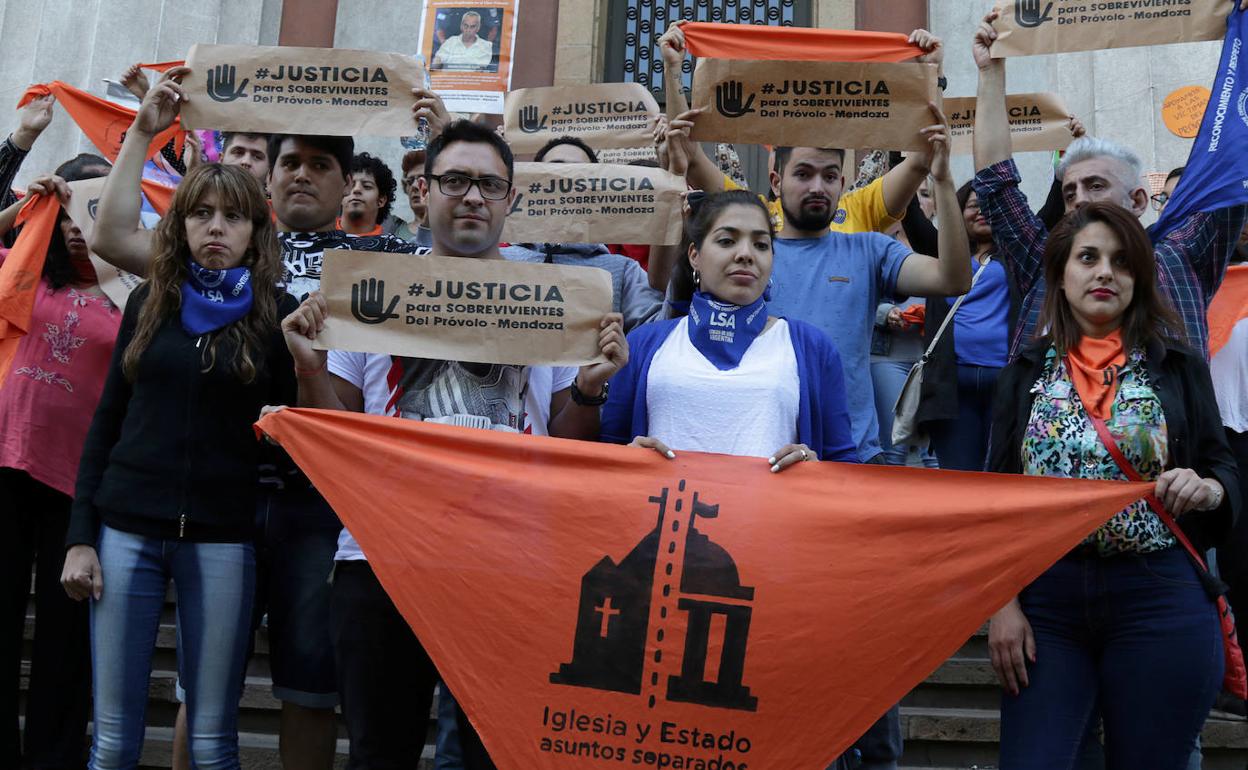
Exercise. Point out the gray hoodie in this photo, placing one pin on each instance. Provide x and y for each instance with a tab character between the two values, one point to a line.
632	294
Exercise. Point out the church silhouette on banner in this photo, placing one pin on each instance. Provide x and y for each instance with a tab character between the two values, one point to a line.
624	605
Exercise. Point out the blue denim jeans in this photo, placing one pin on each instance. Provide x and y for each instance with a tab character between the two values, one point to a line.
887	379
215	584
1136	633
962	444
448	754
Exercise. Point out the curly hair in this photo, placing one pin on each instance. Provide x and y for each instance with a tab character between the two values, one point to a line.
382	176
234	190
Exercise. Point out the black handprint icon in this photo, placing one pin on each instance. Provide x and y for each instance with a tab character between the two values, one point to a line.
221	83
728	100
1028	13
368	299
528	120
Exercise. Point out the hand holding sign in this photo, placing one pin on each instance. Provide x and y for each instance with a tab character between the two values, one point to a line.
937	136
301	328
985	36
162	104
614	347
221	83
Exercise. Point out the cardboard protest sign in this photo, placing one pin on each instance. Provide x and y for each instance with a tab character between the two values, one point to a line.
458	309
1029	27
626	155
606	115
469	46
115	282
274	89
1038	122
599	606
814	104
595	203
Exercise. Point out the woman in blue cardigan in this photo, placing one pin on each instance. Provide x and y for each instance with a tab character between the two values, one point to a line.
728	377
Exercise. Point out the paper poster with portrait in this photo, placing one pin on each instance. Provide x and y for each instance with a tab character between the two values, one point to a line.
469	46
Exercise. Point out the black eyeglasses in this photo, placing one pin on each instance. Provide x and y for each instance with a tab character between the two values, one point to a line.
1160	200
457	185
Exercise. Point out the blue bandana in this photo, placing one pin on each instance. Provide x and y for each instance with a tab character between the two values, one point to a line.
213	299
723	332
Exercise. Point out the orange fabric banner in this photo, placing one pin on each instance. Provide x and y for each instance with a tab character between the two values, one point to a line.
160	196
597	605
163	65
755	42
1229	306
20	274
103	122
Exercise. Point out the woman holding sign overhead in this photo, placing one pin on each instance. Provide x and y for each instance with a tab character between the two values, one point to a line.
729	377
167	483
1125	619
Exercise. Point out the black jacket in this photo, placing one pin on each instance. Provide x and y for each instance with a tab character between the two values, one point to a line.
174	453
1180	378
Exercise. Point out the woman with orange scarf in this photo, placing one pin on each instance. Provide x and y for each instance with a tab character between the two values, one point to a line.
1125	619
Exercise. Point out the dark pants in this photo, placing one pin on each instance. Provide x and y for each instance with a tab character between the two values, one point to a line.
58	702
1135	632
385	677
962	444
1233	557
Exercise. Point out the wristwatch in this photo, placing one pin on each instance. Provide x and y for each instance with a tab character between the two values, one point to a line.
942	82
581	399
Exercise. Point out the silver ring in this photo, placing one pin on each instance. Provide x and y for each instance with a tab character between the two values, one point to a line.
805	455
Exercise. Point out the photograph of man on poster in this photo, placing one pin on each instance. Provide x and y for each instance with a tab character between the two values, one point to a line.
473	49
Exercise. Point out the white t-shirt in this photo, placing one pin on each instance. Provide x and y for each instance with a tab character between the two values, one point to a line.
490	396
453	54
1229	369
749	411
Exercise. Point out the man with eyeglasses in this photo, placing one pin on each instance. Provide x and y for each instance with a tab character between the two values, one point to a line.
1167	190
417	231
385	677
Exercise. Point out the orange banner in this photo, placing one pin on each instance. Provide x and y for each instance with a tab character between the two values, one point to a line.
716	40
1229	306
596	605
20	274
161	66
103	122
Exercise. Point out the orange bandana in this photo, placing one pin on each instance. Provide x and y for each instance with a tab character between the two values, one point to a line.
1095	366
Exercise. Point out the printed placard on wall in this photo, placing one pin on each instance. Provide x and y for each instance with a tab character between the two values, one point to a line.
469	46
595	203
814	104
1038	122
276	89
1029	27
458	309
608	115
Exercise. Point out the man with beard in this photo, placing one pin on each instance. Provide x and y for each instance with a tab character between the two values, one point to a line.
366	206
307	180
834	280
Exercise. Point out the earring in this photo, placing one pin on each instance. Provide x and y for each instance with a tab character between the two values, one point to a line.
697	279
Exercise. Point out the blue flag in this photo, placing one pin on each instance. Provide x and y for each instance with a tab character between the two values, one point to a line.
1217	170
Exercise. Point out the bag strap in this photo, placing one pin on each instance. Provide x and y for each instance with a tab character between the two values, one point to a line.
954	309
1126	467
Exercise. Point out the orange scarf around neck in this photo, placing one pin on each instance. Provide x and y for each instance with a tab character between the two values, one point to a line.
1095	366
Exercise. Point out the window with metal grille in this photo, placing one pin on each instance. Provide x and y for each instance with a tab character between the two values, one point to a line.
634	26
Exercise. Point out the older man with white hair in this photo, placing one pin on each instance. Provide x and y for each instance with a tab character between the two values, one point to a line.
1191	258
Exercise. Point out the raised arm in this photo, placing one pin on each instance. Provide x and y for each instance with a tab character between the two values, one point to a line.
992	126
949	272
119	238
317	387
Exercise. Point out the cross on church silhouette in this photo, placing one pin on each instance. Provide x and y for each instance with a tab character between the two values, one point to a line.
622	604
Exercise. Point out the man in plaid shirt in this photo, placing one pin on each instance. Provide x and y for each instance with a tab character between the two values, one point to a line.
1191	259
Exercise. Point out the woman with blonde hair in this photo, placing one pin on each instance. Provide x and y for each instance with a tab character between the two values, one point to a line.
167	482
